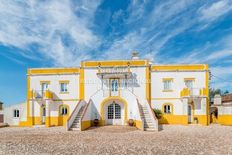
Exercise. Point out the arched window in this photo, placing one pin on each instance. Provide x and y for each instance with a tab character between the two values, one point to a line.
168	108
64	110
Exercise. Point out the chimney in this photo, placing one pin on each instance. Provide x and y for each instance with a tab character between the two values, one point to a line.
135	55
217	99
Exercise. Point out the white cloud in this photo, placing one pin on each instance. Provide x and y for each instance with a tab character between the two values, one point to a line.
45	24
215	10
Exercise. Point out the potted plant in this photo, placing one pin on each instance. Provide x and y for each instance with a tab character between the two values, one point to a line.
158	113
131	122
95	121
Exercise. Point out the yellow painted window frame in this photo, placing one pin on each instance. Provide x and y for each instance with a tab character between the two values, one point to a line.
167	104
64	106
47	82
189	79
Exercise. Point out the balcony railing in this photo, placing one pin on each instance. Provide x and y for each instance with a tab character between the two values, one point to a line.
39	94
193	92
114	72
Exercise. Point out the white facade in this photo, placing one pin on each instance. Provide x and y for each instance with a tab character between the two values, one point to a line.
10	118
116	92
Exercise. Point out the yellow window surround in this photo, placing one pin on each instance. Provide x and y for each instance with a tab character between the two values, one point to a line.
171	106
47	82
168	90
64	81
64	92
189	79
63	106
167	79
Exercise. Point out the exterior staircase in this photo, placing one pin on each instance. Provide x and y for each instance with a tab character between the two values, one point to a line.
149	125
77	121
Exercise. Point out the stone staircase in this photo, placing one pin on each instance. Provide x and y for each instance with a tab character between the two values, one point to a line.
149	125
76	123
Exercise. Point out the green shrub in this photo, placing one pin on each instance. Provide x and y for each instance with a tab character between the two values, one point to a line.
158	113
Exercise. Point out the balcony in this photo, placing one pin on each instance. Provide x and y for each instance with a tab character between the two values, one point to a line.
114	72
194	92
39	94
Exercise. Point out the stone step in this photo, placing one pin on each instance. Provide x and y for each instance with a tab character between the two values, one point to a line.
75	126
76	129
149	129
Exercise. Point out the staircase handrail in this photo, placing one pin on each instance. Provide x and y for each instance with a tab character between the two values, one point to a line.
85	109
71	117
150	110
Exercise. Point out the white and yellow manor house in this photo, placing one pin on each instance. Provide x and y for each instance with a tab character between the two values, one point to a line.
114	92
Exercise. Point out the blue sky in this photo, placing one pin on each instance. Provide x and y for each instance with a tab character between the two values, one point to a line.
51	33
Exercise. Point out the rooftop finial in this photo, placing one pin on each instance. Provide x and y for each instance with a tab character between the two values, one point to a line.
135	55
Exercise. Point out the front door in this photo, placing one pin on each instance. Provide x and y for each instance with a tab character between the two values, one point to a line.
114	116
189	114
43	114
114	87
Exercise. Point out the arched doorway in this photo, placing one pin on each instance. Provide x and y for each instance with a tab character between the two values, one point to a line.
114	114
115	110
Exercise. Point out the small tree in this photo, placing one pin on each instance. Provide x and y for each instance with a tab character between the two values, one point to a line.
158	113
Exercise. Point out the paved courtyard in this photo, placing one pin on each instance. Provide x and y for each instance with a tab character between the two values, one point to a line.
214	139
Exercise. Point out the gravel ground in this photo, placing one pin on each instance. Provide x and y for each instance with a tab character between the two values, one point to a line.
193	139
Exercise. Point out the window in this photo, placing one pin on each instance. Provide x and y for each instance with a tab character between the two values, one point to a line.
167	109
64	87
64	110
167	84
114	85
16	113
44	86
189	83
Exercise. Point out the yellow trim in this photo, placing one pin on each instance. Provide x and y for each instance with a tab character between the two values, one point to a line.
179	67
47	82
167	79
225	119
29	120
85	125
139	124
44	71
102	112
184	92
48	94
64	92
174	119
171	106
82	83
64	81
168	90
189	79
148	84
114	63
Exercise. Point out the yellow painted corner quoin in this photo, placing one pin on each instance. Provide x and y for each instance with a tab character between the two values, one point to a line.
85	72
